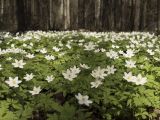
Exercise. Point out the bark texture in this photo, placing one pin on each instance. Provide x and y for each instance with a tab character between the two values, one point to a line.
94	15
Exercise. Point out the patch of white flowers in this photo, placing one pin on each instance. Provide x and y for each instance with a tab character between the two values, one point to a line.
138	80
114	52
12	50
100	73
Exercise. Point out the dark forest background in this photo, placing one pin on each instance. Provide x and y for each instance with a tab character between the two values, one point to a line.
94	15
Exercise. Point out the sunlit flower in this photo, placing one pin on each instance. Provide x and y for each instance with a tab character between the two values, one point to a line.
99	73
75	70
112	54
83	99
56	49
50	78
129	77
18	64
29	55
50	57
28	77
103	50
129	53
150	52
130	64
111	69
71	73
68	46
96	83
13	82
140	80
84	66
24	45
90	46
36	90
43	50
97	50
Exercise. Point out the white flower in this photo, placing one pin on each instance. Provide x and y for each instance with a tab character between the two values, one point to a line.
13	45
36	90
121	52
140	80
18	64
13	82
80	44
156	58
110	69
71	73
90	46
43	51
29	77
115	46
83	99
132	46
150	52
129	77
60	43
129	53
1	67
37	37
31	44
82	40
56	49
75	70
84	66
112	54
50	57
103	50
99	73
29	55
68	46
130	64
50	78
97	50
24	45
96	83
